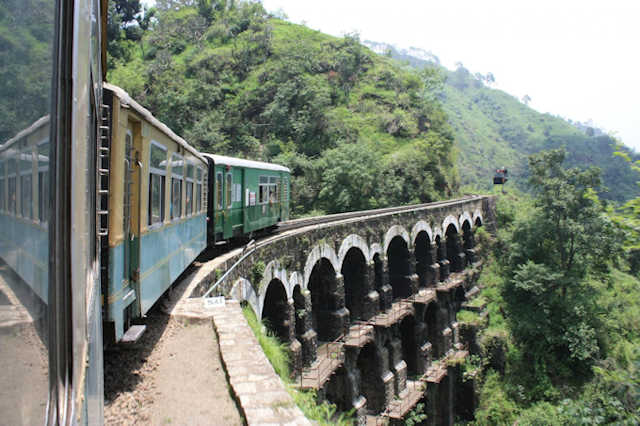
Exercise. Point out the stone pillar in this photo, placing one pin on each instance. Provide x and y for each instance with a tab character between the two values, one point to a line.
386	291
338	316
425	357
443	261
372	298
413	279
458	257
433	270
305	333
398	366
295	347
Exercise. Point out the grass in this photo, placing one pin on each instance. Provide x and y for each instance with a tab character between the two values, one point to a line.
277	353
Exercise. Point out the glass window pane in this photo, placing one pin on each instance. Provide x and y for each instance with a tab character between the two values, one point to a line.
219	190
158	158
228	189
198	197
26	201
177	165
176	198
189	195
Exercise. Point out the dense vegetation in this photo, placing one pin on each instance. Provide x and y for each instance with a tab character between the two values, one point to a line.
233	80
494	129
563	342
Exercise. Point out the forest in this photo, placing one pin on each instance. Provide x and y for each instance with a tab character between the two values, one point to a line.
361	130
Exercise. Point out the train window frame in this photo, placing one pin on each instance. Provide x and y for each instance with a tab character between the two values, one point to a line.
43	180
12	177
3	180
229	189
263	189
25	172
189	187
161	175
219	192
177	180
199	176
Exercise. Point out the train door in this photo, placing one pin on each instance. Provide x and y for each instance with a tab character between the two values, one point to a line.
284	197
228	203
127	235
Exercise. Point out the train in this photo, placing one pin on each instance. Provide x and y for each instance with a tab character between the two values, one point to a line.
102	207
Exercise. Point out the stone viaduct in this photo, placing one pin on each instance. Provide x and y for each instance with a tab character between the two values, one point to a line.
368	306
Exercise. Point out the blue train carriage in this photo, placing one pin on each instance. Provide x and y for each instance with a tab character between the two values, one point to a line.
245	196
24	169
157	213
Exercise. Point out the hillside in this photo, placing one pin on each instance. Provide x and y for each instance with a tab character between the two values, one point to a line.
357	129
494	129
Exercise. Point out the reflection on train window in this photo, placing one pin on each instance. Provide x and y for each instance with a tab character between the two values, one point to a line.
198	190
26	201
3	190
219	190
176	185
189	190
11	187
157	179
263	189
43	181
228	189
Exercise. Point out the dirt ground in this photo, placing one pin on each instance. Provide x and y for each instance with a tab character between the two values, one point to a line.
172	376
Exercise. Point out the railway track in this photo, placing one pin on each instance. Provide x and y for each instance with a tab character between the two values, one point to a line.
284	229
316	220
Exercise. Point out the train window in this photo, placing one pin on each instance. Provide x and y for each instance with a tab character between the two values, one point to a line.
2	186
263	189
177	170
189	190
26	199
273	189
12	186
43	180
198	190
229	190
157	182
219	190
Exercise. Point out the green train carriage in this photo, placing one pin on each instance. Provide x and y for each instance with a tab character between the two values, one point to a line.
245	196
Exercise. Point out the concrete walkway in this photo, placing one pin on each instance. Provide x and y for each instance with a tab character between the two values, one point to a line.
262	395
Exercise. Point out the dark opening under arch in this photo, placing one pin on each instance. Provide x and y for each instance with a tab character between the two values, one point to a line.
354	271
399	267
275	312
323	285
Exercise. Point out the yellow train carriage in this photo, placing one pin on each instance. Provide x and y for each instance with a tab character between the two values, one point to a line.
156	212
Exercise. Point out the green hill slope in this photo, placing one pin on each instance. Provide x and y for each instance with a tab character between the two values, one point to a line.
494	129
358	130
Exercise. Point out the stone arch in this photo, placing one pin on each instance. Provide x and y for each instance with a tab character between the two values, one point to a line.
351	241
396	231
295	279
456	259
275	310
465	216
273	271
327	301
318	252
399	263
477	215
437	232
356	283
450	220
422	255
421	226
242	291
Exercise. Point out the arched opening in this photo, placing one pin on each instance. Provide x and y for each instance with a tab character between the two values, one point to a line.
467	235
459	298
441	250
370	380
453	249
275	312
432	329
477	222
399	268
354	271
378	268
300	311
409	344
422	253
340	389
323	285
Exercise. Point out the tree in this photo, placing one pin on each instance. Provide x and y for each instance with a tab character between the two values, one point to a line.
567	236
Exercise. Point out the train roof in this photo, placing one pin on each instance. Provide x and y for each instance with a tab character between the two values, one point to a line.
239	162
125	99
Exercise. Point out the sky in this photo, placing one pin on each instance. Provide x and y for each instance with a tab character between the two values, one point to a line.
579	59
